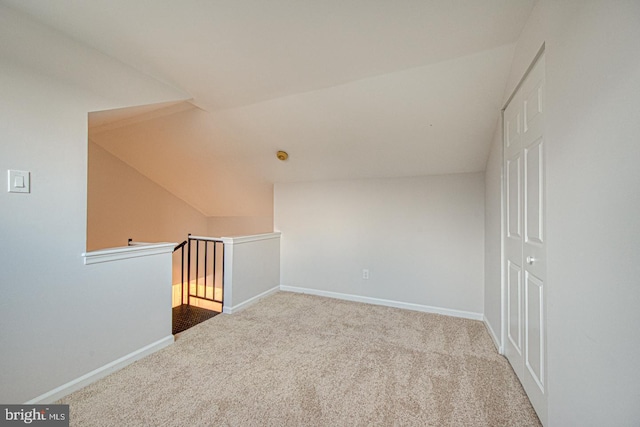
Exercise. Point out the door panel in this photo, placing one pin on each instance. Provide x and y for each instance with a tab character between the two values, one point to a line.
533	191
513	129
514	290
534	358
532	106
513	239
513	197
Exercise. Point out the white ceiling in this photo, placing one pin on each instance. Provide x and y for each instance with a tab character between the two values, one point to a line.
351	89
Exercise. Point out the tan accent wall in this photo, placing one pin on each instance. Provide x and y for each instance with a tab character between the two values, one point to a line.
122	203
229	226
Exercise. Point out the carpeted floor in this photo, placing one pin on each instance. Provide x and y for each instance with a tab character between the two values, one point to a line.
300	360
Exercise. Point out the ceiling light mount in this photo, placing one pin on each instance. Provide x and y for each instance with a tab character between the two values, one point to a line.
282	155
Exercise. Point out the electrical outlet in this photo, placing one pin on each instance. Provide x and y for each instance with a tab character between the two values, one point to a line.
365	274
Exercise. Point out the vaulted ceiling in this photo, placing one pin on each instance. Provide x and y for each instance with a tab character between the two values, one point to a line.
351	89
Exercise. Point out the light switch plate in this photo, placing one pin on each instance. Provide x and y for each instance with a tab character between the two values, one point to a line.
19	181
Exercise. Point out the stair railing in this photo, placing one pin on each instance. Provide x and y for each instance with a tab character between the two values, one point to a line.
181	247
212	256
204	255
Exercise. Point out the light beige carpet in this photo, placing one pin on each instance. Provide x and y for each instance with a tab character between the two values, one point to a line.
300	360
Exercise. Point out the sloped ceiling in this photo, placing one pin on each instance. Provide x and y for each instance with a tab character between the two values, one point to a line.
351	89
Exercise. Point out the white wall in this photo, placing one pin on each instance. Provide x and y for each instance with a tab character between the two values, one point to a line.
593	201
421	238
251	269
492	237
61	319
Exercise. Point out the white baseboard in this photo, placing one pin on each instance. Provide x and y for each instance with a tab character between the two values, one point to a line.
250	301
385	302
83	381
493	335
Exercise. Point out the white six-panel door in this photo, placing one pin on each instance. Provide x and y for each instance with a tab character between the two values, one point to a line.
524	246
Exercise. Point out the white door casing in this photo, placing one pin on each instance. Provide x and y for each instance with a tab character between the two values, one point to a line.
524	238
